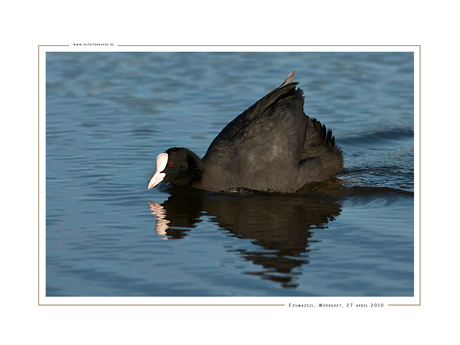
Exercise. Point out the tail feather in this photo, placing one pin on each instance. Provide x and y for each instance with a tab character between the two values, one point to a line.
288	80
321	143
318	135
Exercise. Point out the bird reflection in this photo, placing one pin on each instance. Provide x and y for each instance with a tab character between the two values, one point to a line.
279	226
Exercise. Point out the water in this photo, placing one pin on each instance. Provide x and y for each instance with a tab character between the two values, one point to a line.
108	115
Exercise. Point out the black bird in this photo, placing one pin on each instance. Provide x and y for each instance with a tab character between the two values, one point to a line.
273	146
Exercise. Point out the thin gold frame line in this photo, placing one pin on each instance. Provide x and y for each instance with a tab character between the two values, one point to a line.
420	189
266	45
38	159
164	305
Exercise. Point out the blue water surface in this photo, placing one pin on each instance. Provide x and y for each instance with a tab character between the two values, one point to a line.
108	115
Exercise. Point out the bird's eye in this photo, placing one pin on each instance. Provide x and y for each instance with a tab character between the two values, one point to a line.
171	164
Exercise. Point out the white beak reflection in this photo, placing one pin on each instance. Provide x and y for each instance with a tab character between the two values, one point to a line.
162	222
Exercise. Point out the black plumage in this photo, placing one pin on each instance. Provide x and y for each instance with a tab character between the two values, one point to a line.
273	146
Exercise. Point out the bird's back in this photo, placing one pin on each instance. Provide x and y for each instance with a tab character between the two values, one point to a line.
272	146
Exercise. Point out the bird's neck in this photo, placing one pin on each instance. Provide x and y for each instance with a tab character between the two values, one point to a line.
196	168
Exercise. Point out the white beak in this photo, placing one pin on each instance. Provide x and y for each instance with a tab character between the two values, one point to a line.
162	160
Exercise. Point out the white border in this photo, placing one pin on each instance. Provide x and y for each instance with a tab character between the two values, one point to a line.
234	301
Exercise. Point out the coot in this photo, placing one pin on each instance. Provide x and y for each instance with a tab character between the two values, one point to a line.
273	146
